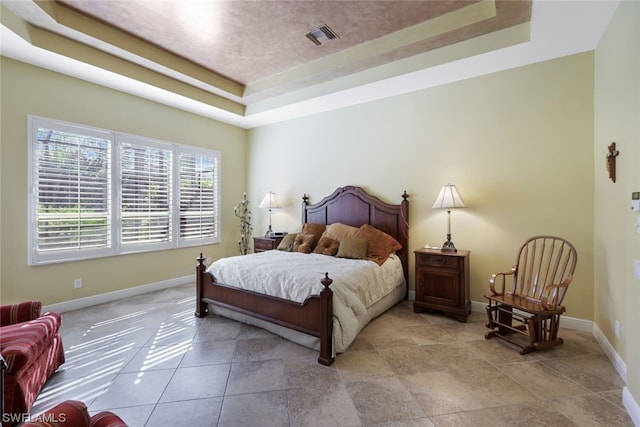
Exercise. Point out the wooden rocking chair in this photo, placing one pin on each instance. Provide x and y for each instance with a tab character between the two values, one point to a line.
532	306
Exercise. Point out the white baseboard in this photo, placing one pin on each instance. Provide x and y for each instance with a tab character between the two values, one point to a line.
632	407
611	353
116	295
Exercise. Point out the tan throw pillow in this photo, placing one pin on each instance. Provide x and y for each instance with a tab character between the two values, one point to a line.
381	245
315	229
339	231
286	244
327	246
304	243
353	248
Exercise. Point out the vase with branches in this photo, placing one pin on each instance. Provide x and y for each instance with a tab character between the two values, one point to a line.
244	214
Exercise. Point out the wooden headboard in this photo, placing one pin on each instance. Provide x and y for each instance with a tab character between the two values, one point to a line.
353	206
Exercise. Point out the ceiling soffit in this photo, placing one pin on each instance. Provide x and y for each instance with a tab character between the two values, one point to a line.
264	58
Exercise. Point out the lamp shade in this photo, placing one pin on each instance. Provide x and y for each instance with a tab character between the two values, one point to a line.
448	198
269	201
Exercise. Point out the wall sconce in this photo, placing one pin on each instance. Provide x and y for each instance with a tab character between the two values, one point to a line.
448	198
269	201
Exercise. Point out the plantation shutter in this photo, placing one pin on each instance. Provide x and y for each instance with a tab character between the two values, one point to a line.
198	195
71	181
145	206
97	193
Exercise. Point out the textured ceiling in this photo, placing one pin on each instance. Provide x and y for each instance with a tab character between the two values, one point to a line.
247	41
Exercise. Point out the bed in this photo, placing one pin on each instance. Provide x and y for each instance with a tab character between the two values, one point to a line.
311	322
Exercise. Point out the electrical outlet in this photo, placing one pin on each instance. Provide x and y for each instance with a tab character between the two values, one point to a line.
617	329
636	269
77	283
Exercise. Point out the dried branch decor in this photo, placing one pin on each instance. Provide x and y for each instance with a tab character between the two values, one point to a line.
242	211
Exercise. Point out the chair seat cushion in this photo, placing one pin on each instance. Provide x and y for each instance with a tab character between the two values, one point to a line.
22	343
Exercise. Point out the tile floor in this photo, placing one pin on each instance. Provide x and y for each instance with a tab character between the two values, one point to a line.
148	359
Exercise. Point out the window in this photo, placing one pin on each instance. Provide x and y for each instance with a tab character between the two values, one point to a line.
99	193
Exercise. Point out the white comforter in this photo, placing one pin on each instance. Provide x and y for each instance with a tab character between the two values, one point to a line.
357	284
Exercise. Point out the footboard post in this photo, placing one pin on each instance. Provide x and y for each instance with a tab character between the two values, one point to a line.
326	328
201	307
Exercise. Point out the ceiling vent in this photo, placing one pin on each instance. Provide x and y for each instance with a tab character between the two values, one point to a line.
321	34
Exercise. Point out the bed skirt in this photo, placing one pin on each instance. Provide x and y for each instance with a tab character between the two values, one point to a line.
310	341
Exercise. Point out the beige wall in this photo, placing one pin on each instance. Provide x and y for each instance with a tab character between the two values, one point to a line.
518	144
31	90
617	118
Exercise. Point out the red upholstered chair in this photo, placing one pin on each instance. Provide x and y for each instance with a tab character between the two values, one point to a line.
72	413
32	349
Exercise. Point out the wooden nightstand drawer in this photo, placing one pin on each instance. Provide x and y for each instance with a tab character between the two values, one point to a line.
438	261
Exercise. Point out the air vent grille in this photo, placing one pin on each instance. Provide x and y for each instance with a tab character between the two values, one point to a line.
320	34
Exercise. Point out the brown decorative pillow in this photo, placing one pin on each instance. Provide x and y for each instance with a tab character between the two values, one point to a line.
315	229
381	245
339	231
304	243
327	246
353	248
286	244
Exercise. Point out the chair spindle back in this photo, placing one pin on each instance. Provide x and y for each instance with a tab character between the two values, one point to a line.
542	261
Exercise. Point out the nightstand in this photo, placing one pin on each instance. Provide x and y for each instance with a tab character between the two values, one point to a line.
442	282
261	244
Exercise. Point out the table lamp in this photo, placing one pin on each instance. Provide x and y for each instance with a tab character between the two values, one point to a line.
269	201
448	198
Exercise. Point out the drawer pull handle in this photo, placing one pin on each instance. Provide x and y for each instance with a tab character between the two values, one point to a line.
438	260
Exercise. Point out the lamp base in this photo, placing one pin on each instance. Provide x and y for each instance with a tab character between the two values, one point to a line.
448	245
269	233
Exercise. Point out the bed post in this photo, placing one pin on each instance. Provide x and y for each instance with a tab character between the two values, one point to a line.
326	327
305	203
404	232
201	306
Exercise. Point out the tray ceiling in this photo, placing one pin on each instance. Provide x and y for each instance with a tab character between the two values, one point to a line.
251	57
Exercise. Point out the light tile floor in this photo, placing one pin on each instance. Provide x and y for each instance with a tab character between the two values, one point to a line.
148	359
